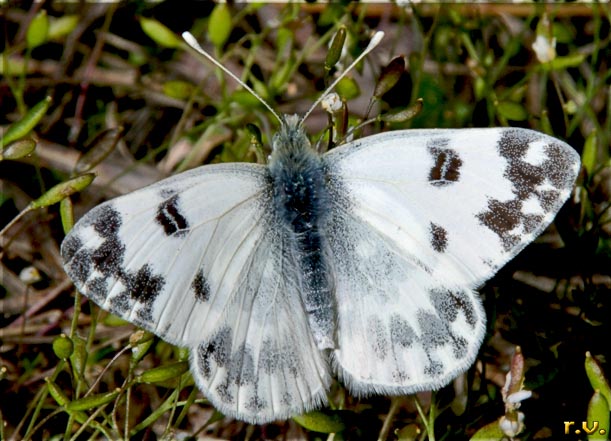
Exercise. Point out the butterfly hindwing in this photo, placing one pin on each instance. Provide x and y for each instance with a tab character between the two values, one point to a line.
425	216
198	260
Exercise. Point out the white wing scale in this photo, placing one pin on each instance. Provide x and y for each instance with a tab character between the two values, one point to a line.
209	274
420	219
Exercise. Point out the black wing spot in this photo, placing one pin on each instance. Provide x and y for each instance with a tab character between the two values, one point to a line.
379	342
144	286
448	303
217	349
401	333
505	218
70	246
107	221
502	218
446	164
241	370
200	287
439	238
170	217
108	257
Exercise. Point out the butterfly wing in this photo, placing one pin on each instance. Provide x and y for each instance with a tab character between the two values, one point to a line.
421	218
198	260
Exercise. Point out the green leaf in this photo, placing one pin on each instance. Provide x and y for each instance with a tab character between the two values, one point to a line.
24	126
562	32
98	149
347	88
546	125
390	75
163	373
411	432
18	149
284	39
323	422
92	401
38	31
141	342
79	356
480	88
63	347
245	99
114	320
219	25
335	50
598	418
178	89
561	63
490	432
12	66
159	33
281	76
62	26
57	393
597	377
66	213
588	157
404	114
512	110
62	190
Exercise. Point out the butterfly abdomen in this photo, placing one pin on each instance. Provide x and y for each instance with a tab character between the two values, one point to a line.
301	201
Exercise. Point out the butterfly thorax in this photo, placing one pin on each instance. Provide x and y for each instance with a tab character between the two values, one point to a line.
301	202
298	178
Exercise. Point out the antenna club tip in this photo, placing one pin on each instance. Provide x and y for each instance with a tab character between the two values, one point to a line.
375	40
188	37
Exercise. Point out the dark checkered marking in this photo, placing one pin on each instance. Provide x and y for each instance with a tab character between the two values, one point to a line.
256	404
379	341
274	359
503	217
241	369
144	286
70	246
448	303
401	333
77	258
438	237
200	287
435	333
170	217
240	372
108	257
446	163
107	221
217	349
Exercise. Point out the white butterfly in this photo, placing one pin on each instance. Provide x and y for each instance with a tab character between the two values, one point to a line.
360	263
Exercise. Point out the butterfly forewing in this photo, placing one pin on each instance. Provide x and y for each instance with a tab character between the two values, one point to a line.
199	260
421	218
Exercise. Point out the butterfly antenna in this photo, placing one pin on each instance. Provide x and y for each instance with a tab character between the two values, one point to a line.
191	41
375	40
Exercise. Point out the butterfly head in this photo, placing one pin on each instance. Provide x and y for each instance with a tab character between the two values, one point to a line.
291	136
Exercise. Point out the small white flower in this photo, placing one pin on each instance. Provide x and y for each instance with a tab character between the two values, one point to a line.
544	48
517	397
331	103
30	275
512	427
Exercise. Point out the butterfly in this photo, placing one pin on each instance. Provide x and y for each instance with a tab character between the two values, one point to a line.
359	263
